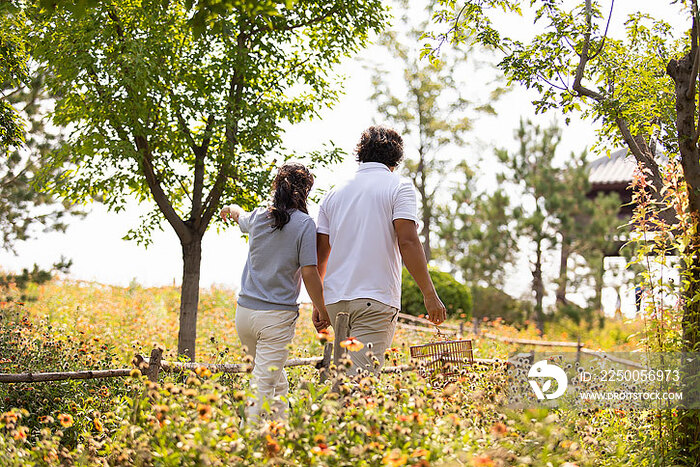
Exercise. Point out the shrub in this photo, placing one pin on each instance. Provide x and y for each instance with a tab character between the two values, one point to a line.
455	295
492	303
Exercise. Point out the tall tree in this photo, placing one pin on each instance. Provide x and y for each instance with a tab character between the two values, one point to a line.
556	213
476	231
643	90
189	117
429	104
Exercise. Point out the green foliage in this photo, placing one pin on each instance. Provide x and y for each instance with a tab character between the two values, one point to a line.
476	232
456	296
493	303
187	120
428	104
13	71
15	287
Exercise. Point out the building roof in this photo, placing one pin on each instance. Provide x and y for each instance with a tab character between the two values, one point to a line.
614	170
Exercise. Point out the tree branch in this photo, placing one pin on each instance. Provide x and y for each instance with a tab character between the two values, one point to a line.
605	34
200	153
583	60
161	199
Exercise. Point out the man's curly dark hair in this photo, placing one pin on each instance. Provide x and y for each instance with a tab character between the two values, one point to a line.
380	144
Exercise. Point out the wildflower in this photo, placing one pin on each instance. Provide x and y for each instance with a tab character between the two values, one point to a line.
499	429
275	427
135	373
375	445
203	372
324	336
239	395
352	344
204	411
569	464
272	446
212	398
66	420
482	461
395	458
21	433
319	439
10	418
97	424
420	452
321	449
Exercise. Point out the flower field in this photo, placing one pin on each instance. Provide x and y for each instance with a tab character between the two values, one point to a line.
195	419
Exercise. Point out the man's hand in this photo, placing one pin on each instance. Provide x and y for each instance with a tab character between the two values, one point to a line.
320	319
437	313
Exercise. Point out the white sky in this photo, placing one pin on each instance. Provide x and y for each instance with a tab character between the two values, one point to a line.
98	252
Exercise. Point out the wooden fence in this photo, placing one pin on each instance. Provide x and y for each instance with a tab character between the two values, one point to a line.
154	364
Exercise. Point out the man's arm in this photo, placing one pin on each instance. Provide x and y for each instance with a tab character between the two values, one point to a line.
323	251
414	259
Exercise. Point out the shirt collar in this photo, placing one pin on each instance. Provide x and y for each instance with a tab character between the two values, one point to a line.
372	167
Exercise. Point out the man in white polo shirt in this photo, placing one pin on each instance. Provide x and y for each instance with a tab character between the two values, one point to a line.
366	226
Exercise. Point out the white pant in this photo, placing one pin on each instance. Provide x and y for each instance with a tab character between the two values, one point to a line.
267	335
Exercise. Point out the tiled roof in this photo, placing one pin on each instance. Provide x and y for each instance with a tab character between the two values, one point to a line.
614	170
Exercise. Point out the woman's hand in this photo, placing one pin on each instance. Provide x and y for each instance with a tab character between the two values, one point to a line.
233	211
320	319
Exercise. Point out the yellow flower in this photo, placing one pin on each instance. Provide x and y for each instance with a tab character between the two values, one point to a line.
324	336
135	373
98	424
66	420
352	344
272	446
395	458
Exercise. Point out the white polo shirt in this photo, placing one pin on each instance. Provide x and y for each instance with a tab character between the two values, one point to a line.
358	218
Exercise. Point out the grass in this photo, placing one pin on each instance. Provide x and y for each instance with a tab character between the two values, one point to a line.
395	420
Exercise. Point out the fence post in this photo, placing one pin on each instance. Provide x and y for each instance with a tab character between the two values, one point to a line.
154	364
342	332
578	350
475	324
461	327
324	365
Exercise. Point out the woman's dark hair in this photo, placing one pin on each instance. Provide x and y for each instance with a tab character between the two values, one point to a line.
380	144
290	188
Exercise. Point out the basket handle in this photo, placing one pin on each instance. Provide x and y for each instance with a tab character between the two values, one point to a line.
439	334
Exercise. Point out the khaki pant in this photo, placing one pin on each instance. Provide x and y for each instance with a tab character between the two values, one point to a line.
267	335
370	322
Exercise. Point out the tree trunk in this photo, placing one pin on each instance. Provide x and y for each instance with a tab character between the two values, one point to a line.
538	287
189	297
563	271
684	73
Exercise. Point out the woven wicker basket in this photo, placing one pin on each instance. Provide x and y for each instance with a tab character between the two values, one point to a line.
443	359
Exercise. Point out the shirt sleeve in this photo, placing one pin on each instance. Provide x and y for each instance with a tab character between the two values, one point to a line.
324	226
405	202
307	245
244	221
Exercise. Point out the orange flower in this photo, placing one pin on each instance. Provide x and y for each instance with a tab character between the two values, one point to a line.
324	335
98	424
21	433
66	420
420	452
273	447
203	372
375	445
499	429
275	427
395	458
321	449
204	411
9	418
482	461
352	344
